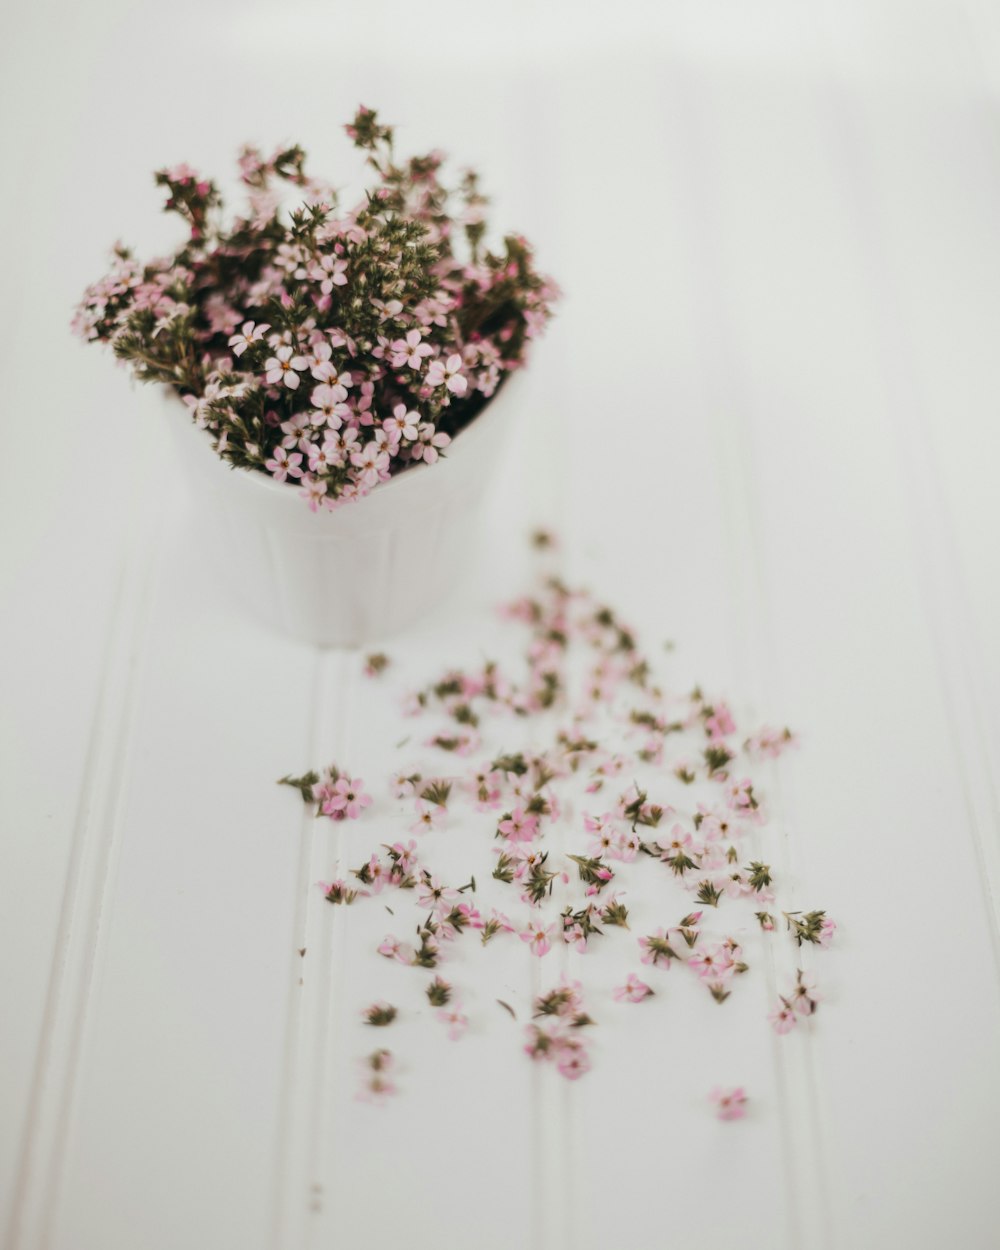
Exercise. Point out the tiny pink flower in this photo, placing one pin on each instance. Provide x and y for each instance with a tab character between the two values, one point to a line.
783	1018
805	997
520	826
430	443
827	929
712	964
347	799
434	895
537	937
730	1104
249	334
329	404
283	464
456	1021
392	948
448	373
403	424
314	489
429	816
633	991
331	271
572	1060
411	352
285	366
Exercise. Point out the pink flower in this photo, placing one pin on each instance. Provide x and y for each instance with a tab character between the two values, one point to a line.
712	964
331	271
329	403
740	796
373	463
657	947
720	723
347	799
297	431
455	1020
447	373
805	997
393	948
827	929
519	826
282	465
731	1104
410	352
314	489
402	424
434	895
537	937
633	991
429	443
429	816
572	1060
284	366
249	335
783	1018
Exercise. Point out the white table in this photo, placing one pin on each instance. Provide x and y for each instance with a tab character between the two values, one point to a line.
776	229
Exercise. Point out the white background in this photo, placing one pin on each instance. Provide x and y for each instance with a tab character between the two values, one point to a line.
765	423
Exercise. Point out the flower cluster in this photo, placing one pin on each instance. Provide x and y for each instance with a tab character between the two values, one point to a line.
616	801
558	1034
326	346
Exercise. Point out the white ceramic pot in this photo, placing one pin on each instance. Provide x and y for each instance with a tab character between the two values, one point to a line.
366	570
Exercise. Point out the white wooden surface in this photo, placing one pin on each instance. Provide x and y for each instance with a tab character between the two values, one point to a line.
766	426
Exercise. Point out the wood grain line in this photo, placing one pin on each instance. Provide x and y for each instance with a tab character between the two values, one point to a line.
937	570
727	395
290	1110
84	913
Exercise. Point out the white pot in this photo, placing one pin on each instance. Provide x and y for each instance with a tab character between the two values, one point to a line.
364	571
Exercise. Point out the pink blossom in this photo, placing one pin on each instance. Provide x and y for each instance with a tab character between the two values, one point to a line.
314	489
329	403
519	826
538	937
404	785
411	352
406	855
656	947
740	796
429	443
448	373
296	431
827	929
731	1104
373	463
250	334
284	366
330	271
783	1018
715	963
805	997
434	895
768	743
720	723
392	948
283	465
403	424
572	1059
429	816
633	991
456	1021
347	799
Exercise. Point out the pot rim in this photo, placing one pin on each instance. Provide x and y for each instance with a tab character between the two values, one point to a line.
267	487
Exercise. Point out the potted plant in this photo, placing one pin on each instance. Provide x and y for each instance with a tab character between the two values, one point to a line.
350	365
